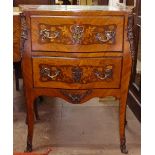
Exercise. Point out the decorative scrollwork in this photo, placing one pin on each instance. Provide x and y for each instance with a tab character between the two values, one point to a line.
24	32
77	73
77	32
123	146
29	145
75	97
68	34
131	35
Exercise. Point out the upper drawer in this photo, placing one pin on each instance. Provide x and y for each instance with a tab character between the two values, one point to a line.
77	34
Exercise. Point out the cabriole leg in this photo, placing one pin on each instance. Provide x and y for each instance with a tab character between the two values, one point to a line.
126	122
36	109
30	123
35	104
122	125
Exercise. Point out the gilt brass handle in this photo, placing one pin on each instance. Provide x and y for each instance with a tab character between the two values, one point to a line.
46	72
103	76
106	36
47	34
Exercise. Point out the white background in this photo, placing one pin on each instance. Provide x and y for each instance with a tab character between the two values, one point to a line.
148	77
6	78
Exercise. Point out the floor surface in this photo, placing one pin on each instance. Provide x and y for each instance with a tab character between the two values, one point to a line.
88	129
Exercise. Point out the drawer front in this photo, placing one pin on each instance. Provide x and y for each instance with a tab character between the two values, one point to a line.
73	73
77	34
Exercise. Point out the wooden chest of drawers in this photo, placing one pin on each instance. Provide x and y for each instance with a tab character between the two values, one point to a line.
76	53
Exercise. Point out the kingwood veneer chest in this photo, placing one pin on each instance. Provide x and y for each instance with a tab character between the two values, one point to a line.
76	53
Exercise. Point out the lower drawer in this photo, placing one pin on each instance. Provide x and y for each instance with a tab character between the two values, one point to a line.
77	73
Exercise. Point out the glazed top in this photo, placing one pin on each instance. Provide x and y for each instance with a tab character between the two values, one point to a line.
75	8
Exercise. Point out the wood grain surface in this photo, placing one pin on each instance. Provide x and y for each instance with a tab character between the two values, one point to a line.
61	57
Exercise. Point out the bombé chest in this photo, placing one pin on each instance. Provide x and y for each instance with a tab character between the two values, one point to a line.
76	53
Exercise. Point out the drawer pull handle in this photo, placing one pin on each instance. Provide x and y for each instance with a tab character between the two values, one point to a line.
47	34
46	72
103	76
106	36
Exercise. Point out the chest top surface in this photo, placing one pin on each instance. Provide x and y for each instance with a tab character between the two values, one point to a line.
75	8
